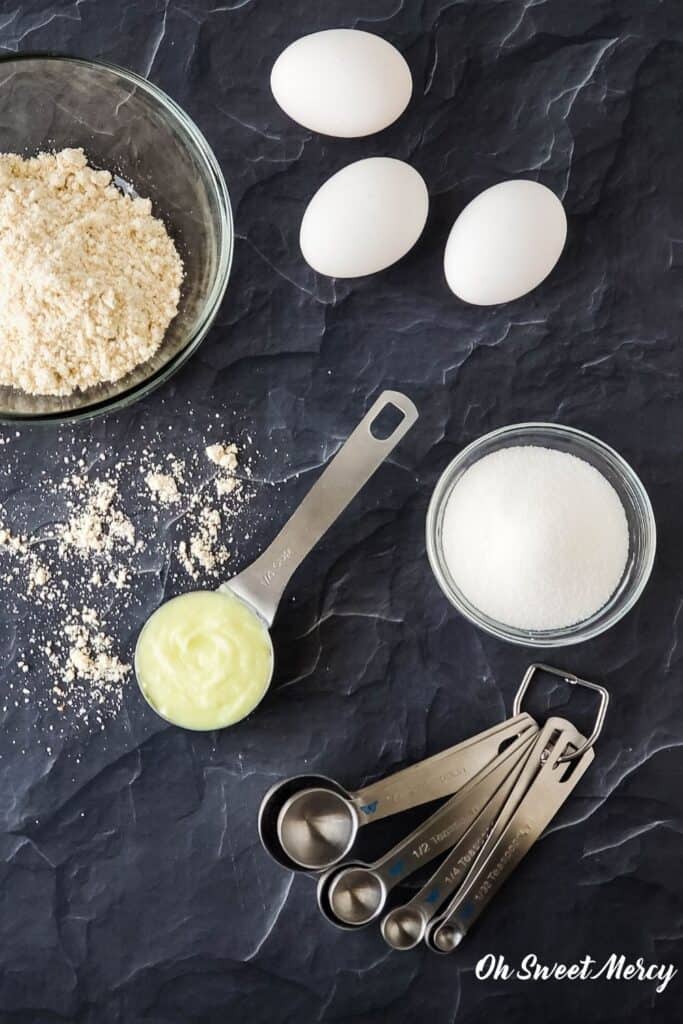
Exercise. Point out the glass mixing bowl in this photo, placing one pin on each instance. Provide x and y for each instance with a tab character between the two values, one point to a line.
632	494
131	128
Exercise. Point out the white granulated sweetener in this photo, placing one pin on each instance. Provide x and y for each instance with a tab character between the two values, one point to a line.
90	278
535	538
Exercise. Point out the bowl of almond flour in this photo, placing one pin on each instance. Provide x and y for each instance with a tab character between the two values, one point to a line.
116	237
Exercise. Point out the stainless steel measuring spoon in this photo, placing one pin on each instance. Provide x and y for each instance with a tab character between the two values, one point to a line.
404	927
562	764
261	585
355	894
550	734
310	822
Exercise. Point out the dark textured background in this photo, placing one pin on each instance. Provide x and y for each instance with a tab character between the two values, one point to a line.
133	887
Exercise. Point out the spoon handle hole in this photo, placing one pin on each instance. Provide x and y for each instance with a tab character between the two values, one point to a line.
386	422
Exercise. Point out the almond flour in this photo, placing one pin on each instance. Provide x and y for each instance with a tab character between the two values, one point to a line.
98	525
164	487
90	278
223	455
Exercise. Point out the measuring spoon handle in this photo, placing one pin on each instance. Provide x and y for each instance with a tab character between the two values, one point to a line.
263	582
496	862
447	825
451	873
441	775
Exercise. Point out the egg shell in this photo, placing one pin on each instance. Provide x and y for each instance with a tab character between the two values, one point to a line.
342	82
505	242
364	218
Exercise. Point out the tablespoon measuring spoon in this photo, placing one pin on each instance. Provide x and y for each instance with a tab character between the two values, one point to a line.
355	894
309	822
185	647
404	927
523	820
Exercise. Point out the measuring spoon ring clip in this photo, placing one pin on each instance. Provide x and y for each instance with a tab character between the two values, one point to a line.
572	680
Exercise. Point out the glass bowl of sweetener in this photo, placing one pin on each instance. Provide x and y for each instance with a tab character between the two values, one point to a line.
541	534
116	237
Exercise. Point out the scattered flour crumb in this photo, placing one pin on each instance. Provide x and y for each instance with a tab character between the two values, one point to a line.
40	576
12	541
91	658
119	577
164	487
98	525
226	485
203	550
223	455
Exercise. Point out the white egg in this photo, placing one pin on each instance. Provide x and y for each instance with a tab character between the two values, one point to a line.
364	218
505	242
342	82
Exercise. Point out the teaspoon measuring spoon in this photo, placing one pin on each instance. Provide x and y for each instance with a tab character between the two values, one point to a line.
310	822
523	820
354	895
404	927
261	585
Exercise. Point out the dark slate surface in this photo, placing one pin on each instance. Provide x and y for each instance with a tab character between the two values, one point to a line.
134	889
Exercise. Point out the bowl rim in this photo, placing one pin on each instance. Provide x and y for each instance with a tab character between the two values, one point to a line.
226	250
581	631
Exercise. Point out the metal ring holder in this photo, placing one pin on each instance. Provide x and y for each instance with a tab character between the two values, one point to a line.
567	677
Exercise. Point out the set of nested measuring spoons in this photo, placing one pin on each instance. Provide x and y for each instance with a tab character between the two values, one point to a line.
503	786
